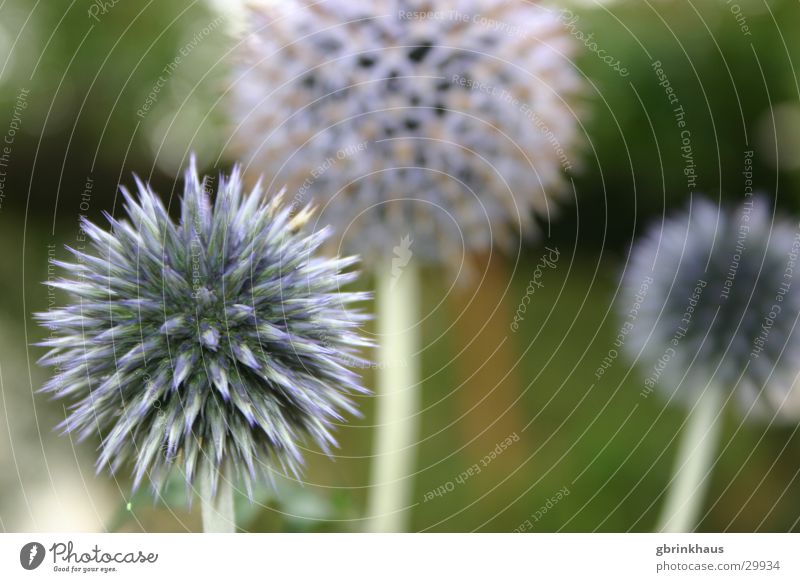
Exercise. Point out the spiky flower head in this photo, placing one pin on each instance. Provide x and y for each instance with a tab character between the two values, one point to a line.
452	122
709	298
222	340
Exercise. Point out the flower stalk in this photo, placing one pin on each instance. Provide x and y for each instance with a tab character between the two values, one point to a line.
693	464
398	399
216	507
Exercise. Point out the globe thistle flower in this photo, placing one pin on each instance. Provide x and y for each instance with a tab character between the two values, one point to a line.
221	340
449	123
715	304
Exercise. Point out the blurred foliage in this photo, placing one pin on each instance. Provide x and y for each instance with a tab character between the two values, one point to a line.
89	77
726	82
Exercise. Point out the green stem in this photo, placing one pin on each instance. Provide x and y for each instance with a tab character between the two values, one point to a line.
217	510
693	463
397	401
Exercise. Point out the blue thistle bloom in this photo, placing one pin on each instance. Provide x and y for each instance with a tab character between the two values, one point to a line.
222	340
454	126
709	298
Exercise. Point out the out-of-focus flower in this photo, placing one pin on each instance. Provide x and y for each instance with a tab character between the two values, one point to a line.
451	122
710	298
222	340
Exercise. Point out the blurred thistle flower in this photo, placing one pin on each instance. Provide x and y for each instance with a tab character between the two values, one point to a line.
451	122
222	340
709	300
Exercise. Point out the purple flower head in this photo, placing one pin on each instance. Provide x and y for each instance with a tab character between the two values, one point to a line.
220	339
710	297
452	123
